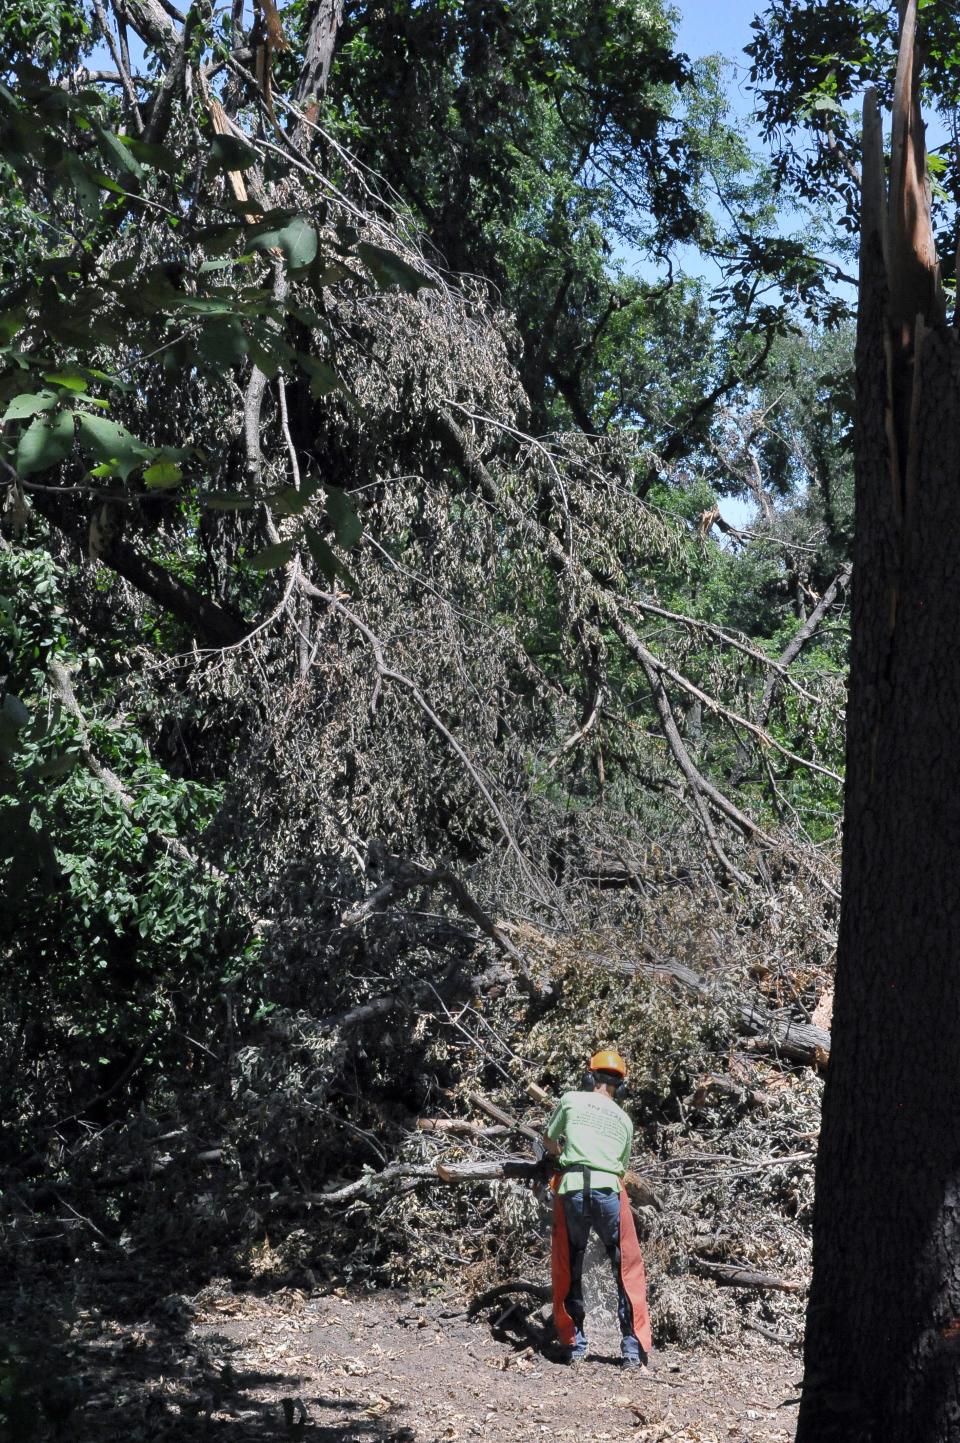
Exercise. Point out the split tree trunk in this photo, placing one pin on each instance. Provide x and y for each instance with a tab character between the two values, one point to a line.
882	1361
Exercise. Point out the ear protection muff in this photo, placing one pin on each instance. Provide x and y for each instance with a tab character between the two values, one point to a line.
590	1083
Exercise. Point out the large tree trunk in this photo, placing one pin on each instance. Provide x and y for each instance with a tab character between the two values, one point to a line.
882	1358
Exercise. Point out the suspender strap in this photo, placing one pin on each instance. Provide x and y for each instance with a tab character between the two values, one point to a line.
578	1167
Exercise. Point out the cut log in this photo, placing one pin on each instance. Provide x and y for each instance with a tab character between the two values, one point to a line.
490	1170
459	1126
714	1086
731	1276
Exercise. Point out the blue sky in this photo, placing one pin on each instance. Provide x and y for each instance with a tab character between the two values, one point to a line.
710	27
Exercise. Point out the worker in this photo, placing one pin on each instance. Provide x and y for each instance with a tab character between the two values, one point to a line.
590	1135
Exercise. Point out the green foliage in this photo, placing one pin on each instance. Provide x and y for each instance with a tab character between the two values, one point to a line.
179	358
811	63
552	149
52	32
87	305
108	937
666	1042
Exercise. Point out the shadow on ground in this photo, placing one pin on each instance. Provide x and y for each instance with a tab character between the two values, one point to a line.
98	1351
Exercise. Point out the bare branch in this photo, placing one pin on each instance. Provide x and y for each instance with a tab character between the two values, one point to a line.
646	656
700	788
609	604
388	673
122	68
410	875
798	642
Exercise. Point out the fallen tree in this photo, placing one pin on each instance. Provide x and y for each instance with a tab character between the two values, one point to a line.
797	1041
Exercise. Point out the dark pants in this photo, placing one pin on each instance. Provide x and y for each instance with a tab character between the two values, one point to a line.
602	1212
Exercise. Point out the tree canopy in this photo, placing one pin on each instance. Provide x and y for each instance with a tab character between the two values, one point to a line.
375	383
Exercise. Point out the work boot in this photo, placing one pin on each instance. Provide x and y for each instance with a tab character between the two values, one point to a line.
579	1350
632	1356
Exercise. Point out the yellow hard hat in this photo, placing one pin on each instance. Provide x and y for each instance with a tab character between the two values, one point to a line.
608	1062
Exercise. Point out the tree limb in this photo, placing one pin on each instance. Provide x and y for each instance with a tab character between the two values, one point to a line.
154	26
732	1276
799	641
205	619
799	1041
118	60
648	658
674	443
410	875
609	604
699	787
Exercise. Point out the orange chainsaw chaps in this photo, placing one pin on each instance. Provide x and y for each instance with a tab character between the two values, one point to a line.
560	1276
634	1274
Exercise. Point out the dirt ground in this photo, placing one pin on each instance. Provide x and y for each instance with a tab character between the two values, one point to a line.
385	1367
419	1370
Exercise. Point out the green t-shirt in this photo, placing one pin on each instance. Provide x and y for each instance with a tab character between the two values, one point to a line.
596	1132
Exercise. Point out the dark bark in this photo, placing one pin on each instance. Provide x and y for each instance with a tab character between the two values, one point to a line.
882	1356
205	619
686	428
569	388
